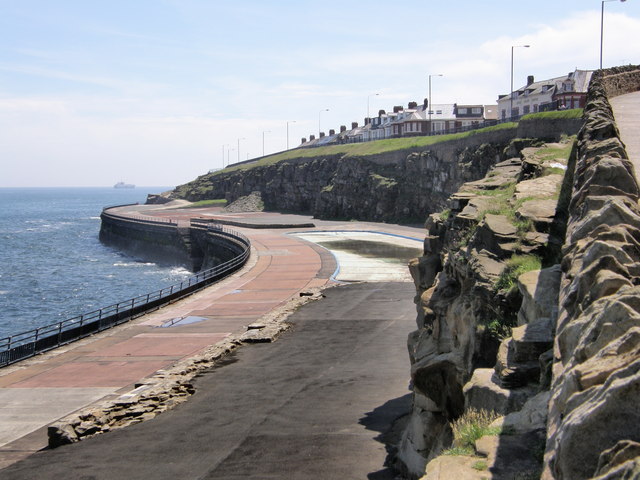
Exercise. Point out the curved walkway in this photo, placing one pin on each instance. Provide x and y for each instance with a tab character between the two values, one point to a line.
626	109
38	391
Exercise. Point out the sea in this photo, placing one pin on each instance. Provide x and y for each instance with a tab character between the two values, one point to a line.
52	264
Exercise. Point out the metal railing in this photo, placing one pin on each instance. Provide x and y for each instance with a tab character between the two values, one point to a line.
39	340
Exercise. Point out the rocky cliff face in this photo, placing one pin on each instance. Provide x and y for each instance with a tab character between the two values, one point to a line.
556	359
480	334
594	414
401	185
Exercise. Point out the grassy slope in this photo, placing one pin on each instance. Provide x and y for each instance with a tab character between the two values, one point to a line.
362	149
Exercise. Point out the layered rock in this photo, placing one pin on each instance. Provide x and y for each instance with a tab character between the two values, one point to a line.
594	419
469	351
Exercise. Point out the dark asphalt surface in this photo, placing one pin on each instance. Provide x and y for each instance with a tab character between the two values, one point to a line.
312	405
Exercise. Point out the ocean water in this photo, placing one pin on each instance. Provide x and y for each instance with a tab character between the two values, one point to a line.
52	265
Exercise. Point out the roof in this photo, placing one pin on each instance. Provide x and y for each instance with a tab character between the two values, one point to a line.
580	78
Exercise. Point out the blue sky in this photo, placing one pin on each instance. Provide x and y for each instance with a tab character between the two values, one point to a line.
94	92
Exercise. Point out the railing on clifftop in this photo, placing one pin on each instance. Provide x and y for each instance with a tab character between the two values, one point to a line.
27	344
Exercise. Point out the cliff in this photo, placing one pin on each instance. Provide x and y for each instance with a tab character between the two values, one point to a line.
372	181
525	360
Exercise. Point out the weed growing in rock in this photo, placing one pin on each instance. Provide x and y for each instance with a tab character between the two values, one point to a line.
480	465
471	426
516	266
445	214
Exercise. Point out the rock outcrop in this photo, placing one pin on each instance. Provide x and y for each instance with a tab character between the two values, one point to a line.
481	333
594	418
558	358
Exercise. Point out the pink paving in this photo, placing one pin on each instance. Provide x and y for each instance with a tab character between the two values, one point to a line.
282	266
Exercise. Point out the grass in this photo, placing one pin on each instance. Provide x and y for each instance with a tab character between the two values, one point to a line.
471	426
363	149
516	266
563	114
216	202
383	181
480	465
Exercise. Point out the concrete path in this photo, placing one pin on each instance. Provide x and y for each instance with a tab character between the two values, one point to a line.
626	109
38	391
313	405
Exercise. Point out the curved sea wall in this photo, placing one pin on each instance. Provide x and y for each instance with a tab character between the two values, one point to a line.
389	187
196	246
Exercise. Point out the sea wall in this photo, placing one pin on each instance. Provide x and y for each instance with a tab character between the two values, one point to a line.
391	186
195	246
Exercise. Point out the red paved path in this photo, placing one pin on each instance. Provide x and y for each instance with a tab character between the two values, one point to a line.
111	363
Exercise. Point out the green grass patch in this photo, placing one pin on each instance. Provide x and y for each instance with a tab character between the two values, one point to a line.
480	465
572	113
445	214
363	149
216	202
381	181
516	266
471	426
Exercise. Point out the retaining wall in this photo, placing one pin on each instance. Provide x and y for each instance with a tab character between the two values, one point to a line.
594	419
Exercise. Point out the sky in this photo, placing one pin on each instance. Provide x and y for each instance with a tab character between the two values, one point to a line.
158	92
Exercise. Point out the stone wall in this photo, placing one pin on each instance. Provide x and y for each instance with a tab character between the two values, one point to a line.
594	413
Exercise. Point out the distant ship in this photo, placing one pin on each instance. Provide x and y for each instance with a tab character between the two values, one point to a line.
124	185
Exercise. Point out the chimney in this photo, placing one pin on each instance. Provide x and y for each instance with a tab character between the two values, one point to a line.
312	137
304	140
367	121
343	128
397	108
413	105
425	103
381	112
321	134
332	132
529	80
354	125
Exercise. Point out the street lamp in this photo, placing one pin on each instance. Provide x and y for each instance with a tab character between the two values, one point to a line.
265	131
226	145
430	104
324	110
368	97
511	92
229	150
239	147
290	121
602	27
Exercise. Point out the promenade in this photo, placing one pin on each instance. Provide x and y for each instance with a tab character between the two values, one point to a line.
36	392
626	110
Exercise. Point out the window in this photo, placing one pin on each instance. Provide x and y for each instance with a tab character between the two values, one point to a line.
525	109
476	110
535	108
504	114
438	112
462	111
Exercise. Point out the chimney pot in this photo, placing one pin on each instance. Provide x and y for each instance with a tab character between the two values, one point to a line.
354	125
381	112
413	105
343	128
312	137
529	80
304	140
397	108
321	134
332	132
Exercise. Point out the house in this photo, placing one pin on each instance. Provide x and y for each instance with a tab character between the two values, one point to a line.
568	91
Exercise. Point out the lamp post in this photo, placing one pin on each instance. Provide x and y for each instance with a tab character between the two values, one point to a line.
602	27
239	147
223	154
264	131
229	150
430	105
511	91
290	121
323	110
368	97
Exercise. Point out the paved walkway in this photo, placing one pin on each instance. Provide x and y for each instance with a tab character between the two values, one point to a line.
38	391
316	404
626	109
